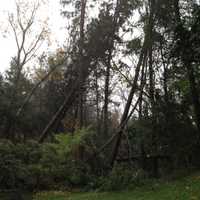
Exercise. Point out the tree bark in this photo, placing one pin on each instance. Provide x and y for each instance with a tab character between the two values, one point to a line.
106	95
143	55
108	69
144	52
81	47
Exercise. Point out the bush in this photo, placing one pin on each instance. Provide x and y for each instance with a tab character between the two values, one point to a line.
13	171
120	177
34	166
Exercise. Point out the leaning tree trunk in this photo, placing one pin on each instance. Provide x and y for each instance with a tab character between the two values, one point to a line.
128	104
143	55
76	90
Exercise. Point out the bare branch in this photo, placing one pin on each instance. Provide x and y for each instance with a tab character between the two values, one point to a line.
35	43
10	19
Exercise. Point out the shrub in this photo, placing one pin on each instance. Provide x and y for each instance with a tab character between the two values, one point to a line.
36	166
122	176
13	172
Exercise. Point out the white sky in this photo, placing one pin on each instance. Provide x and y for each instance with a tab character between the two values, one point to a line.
51	10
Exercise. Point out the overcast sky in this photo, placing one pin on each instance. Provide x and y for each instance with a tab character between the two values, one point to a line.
51	9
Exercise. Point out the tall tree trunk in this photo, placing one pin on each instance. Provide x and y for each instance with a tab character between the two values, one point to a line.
106	95
194	93
81	46
142	84
97	103
165	77
108	68
152	84
150	55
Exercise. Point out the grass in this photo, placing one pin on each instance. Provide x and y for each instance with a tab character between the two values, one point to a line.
187	188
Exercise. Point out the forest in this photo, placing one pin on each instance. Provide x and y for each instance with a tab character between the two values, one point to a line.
117	105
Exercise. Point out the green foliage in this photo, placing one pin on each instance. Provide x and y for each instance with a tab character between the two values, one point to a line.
65	143
12	170
121	177
182	189
42	166
168	80
59	163
133	46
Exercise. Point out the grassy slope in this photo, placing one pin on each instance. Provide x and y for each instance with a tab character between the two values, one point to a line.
184	189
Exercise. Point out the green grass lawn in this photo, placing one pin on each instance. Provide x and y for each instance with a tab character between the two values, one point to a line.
185	189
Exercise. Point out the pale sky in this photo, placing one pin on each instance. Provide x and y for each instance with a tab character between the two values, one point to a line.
51	10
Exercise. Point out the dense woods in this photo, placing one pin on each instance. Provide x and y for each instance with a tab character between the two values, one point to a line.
117	103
